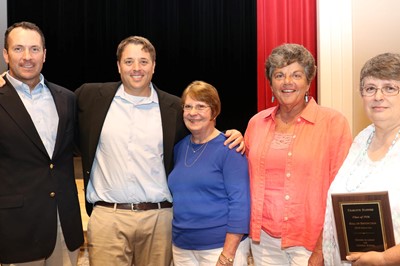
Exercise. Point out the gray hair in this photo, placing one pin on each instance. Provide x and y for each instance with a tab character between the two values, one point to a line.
383	66
287	54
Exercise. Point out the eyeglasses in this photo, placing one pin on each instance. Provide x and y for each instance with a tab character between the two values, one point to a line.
198	107
389	90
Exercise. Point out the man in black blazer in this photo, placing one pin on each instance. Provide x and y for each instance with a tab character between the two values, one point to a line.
128	131
40	221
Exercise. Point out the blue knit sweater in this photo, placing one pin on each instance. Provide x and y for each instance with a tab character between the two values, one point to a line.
210	190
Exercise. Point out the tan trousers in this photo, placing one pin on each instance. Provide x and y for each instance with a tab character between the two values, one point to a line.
125	237
61	256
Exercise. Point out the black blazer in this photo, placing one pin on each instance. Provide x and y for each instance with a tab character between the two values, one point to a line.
94	100
33	186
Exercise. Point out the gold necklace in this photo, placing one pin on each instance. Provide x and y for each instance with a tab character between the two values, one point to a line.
291	121
283	127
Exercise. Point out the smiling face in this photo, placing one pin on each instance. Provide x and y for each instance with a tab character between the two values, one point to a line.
199	122
25	55
379	108
289	85
136	68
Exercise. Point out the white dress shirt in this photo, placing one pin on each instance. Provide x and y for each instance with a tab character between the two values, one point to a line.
128	165
41	107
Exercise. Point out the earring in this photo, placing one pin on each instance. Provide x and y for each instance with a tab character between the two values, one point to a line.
306	97
272	99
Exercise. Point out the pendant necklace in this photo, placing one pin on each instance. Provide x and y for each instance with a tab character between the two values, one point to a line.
194	151
362	159
286	126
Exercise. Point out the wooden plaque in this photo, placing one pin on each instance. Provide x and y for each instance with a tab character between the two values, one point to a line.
363	222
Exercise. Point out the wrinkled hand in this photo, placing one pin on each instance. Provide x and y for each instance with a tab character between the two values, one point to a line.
316	259
371	258
2	81
235	138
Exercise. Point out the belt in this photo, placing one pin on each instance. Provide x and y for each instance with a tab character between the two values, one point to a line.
143	206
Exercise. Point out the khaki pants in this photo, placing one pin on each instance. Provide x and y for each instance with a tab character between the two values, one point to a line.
125	237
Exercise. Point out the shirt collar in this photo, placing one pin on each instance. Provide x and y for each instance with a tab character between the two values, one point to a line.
309	113
153	98
23	87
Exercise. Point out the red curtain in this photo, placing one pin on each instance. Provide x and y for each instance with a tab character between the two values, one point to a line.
278	22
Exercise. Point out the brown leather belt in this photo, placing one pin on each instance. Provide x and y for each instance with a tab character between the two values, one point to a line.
143	206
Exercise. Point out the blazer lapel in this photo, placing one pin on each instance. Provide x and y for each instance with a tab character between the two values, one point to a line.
103	100
12	104
168	120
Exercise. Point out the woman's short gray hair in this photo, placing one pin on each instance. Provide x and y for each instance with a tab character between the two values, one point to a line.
287	54
384	66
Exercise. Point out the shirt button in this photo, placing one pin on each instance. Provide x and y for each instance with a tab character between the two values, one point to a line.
285	218
51	166
294	136
287	197
287	174
290	153
52	194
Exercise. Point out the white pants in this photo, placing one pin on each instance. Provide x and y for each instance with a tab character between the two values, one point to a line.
269	252
187	257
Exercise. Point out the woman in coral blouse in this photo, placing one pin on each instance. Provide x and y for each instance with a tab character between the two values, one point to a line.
294	150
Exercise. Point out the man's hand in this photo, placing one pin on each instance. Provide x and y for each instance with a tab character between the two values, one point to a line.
235	138
2	81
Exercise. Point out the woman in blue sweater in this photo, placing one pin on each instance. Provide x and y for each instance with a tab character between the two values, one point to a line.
210	188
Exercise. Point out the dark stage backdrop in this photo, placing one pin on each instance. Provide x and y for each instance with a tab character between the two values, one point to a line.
209	40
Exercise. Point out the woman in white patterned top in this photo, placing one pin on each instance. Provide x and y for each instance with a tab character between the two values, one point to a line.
373	162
